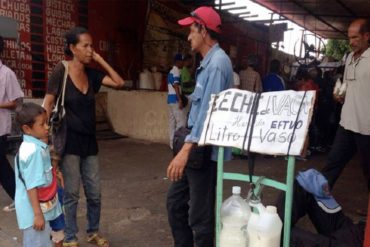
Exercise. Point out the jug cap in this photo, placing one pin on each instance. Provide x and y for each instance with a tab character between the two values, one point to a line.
236	190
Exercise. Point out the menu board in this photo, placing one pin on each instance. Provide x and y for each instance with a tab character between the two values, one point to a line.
39	47
60	16
17	53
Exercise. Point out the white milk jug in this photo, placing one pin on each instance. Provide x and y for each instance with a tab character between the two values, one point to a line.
157	77
264	229
146	80
235	213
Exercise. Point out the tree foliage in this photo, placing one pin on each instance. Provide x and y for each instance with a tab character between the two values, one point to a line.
337	48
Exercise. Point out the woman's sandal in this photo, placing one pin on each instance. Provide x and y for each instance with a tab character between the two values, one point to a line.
70	244
97	240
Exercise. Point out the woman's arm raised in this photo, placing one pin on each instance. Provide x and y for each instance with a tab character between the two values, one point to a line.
113	79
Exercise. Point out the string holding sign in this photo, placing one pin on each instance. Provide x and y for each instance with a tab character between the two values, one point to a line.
275	125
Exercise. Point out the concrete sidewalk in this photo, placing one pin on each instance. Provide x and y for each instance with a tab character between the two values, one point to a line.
134	192
6	240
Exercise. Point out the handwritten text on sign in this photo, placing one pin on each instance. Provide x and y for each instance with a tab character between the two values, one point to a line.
228	118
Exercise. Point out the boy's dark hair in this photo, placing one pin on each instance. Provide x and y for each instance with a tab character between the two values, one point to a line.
72	37
27	113
274	66
1	44
212	34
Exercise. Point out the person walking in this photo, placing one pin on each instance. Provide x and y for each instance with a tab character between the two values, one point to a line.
176	108
353	133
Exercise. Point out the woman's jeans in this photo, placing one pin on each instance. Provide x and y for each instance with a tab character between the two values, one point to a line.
75	168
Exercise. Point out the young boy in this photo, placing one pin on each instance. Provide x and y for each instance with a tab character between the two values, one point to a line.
35	179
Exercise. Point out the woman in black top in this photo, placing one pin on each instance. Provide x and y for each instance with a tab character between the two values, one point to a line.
80	155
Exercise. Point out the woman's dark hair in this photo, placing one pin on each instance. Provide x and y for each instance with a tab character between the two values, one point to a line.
27	113
72	37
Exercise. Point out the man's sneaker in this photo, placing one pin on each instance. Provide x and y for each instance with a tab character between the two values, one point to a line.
9	208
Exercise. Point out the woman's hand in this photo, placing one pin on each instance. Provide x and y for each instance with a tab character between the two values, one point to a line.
96	57
60	177
113	79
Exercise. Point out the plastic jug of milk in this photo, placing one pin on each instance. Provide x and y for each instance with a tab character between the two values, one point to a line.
146	80
264	229
157	77
235	214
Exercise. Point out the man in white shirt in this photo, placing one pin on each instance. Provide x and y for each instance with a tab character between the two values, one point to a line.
353	133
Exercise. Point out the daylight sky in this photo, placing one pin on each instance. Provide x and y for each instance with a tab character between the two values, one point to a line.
290	37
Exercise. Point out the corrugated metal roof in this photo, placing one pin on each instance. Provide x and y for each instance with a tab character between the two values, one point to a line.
327	18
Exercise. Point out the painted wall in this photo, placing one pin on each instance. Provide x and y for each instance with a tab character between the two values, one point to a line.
41	24
139	114
117	28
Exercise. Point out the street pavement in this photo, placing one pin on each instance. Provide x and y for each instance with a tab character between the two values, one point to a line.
134	189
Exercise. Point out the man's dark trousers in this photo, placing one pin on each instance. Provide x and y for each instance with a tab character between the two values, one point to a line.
7	177
345	146
191	207
333	230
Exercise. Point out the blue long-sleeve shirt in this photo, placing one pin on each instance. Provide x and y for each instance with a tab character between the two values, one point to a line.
272	82
214	74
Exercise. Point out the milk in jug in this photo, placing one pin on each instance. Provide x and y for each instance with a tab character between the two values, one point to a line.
264	229
235	214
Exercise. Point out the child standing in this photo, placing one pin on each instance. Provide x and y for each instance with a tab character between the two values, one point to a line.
36	200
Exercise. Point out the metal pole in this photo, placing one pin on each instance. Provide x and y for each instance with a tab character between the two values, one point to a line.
288	201
219	190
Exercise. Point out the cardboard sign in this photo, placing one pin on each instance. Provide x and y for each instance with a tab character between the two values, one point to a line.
230	117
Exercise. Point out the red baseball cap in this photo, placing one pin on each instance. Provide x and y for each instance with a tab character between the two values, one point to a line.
206	16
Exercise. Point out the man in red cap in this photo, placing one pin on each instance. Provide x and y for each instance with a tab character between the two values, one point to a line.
191	197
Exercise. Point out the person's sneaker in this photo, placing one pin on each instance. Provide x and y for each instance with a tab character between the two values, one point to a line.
9	208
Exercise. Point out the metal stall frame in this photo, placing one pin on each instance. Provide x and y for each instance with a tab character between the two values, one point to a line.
287	187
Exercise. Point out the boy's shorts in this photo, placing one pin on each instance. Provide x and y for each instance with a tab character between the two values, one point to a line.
33	238
58	224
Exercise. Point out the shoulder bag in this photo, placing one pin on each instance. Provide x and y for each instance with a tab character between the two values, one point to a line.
58	125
